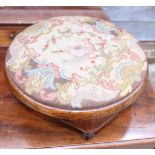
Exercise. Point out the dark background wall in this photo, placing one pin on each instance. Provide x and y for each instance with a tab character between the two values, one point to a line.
139	20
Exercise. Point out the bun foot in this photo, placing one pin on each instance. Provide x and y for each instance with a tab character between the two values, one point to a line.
87	135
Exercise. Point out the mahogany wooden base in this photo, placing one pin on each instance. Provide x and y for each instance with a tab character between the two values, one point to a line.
87	121
89	127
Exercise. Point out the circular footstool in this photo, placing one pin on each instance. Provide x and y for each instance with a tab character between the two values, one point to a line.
79	69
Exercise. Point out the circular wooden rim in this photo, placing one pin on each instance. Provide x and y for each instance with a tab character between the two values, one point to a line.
76	114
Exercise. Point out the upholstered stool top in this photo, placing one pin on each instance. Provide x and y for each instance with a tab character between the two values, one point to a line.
75	62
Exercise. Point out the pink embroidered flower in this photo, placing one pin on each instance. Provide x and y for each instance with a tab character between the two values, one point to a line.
27	40
92	61
105	74
78	80
55	22
134	56
48	96
108	84
88	42
56	70
81	68
19	77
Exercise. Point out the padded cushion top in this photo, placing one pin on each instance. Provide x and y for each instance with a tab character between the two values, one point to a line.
75	62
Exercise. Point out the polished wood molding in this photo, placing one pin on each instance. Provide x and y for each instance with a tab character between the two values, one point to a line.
29	15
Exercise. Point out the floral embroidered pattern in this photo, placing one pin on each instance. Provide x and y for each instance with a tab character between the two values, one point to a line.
76	62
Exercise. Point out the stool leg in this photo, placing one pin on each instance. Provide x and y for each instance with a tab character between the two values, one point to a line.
87	135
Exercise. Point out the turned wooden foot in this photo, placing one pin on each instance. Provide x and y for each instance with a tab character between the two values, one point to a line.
87	135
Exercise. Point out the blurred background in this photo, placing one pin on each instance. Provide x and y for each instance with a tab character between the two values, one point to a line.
138	20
